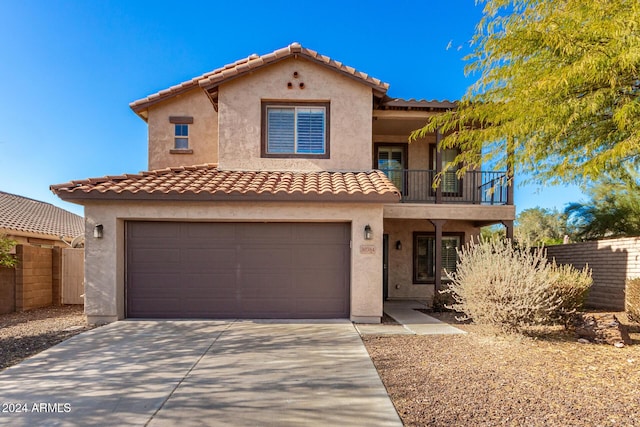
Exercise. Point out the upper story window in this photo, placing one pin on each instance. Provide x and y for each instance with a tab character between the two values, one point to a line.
181	133
295	130
182	137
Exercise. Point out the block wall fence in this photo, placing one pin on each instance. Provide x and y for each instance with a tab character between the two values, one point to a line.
612	262
34	283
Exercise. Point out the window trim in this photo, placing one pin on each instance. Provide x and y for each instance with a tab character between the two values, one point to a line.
176	137
181	120
263	133
416	234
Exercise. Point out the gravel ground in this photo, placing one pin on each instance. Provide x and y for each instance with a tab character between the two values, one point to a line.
27	333
480	379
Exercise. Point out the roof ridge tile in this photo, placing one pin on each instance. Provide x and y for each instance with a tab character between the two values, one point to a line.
246	65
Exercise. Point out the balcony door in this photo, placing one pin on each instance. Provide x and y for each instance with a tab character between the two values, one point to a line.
451	184
392	160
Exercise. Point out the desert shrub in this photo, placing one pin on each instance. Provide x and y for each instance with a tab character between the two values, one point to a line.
442	301
500	285
632	298
572	287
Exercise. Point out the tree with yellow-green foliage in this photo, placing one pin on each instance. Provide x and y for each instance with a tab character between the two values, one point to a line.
558	87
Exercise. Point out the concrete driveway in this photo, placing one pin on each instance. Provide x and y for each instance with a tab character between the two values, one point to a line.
198	373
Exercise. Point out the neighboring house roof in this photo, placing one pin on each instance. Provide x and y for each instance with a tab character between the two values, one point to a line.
22	214
415	104
211	80
206	182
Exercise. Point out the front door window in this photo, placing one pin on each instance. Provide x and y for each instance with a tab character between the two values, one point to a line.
425	256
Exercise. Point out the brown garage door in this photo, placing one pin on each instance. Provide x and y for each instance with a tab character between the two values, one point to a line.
237	270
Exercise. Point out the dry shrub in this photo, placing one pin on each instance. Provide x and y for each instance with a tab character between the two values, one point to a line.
572	286
632	298
498	284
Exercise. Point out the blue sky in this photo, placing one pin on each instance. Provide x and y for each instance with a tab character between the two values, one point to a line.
69	70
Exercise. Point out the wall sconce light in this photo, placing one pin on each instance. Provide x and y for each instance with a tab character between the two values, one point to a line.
97	231
399	245
368	234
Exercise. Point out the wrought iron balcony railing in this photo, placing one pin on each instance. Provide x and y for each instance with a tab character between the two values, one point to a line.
475	187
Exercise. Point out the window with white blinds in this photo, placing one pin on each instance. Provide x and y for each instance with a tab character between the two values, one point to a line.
295	130
281	130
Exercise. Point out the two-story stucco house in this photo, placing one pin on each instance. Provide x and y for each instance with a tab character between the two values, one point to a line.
279	186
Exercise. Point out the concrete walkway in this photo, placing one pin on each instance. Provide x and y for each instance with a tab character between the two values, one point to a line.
201	373
411	321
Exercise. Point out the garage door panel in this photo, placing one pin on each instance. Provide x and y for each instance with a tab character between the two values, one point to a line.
276	305
312	305
156	306
257	233
237	270
329	256
219	279
155	230
274	258
152	257
154	283
223	283
329	285
264	284
204	231
199	259
219	308
321	234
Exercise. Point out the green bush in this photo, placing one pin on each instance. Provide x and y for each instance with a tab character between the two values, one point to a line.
632	298
498	284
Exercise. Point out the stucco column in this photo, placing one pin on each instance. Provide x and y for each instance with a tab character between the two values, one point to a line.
438	224
508	225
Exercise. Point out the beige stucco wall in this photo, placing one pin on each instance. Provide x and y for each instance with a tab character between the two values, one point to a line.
203	133
240	116
400	269
419	153
105	257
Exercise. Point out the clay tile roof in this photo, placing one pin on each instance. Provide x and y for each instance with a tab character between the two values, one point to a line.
206	182
399	103
251	63
19	213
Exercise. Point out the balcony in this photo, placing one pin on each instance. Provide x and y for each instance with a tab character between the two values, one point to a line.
475	187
